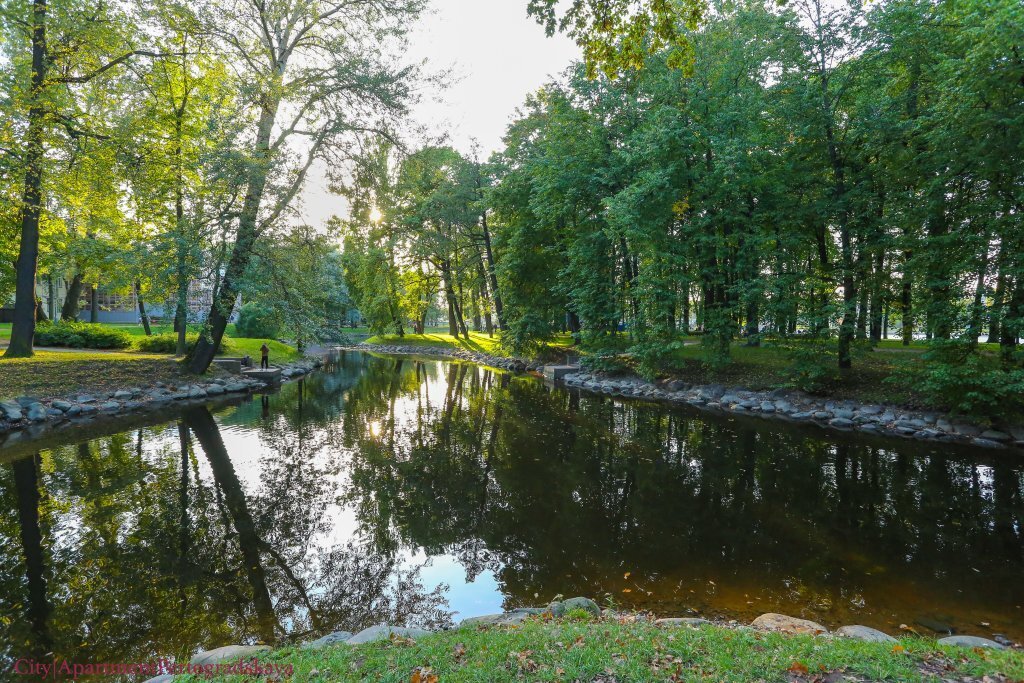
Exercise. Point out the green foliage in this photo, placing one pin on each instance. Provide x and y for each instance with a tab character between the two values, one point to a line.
78	335
813	365
257	322
168	343
604	362
956	376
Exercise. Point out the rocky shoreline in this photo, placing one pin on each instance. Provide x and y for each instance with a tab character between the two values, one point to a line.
779	404
587	608
29	417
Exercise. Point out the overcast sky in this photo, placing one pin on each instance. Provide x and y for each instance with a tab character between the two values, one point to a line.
497	54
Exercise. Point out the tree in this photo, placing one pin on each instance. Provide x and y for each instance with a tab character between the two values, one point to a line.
322	68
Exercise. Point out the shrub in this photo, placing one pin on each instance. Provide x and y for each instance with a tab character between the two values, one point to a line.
168	343
77	335
954	375
257	322
814	364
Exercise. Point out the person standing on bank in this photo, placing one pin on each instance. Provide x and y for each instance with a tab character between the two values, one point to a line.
264	357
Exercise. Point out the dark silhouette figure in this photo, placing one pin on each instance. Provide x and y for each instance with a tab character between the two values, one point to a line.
264	357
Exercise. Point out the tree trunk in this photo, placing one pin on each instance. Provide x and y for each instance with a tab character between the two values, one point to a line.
492	274
142	309
224	301
449	295
23	331
876	296
906	302
41	316
26	488
94	311
72	300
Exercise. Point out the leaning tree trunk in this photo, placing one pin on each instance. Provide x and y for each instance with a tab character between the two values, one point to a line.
23	331
224	300
142	309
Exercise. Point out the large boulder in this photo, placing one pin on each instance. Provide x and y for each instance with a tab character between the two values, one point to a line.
12	411
865	633
559	609
970	641
384	632
330	639
787	624
228	653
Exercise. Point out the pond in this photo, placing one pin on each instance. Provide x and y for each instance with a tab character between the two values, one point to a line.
417	490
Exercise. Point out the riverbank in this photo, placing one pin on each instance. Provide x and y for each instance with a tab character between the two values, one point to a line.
583	643
776	404
73	388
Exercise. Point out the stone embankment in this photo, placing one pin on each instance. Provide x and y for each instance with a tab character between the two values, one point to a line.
780	404
30	416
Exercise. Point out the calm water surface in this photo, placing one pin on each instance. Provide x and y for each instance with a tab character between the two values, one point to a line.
407	490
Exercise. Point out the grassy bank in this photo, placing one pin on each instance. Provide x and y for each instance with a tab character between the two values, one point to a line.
56	373
609	651
477	341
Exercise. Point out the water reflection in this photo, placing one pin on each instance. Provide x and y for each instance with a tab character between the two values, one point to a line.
304	512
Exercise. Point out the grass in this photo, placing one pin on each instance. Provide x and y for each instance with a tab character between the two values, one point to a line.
477	341
56	373
613	652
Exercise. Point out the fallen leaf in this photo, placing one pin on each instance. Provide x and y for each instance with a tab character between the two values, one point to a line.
897	649
797	668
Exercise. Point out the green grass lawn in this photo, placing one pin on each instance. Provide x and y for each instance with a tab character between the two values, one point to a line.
56	373
609	652
5	330
477	341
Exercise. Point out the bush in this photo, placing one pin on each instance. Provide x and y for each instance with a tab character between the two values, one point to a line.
257	322
77	335
814	364
168	343
954	375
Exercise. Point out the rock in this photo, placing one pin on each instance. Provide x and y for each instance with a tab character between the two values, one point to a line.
786	624
870	410
36	412
841	422
674	622
73	410
767	407
110	406
215	390
85	398
516	616
585	604
11	411
821	415
87	410
995	435
935	625
970	641
730	398
677	385
62	406
122	395
985	443
866	633
162	678
966	430
384	632
843	413
330	639
196	392
228	653
235	387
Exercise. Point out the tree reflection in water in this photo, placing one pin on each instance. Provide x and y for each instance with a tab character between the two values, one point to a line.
177	537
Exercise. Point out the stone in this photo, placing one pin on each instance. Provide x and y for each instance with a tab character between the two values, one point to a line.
228	653
235	387
12	411
678	622
785	624
865	633
970	641
677	385
843	413
214	390
110	406
985	443
585	604
196	392
384	632
162	678
966	430
516	616
330	639
870	410
122	395
87	410
729	398
767	407
86	398
36	412
995	435
821	415
841	422
73	410
62	406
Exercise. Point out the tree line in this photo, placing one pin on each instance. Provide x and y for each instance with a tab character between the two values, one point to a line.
148	144
815	170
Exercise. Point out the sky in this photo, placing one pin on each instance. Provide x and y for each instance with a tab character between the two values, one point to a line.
497	56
